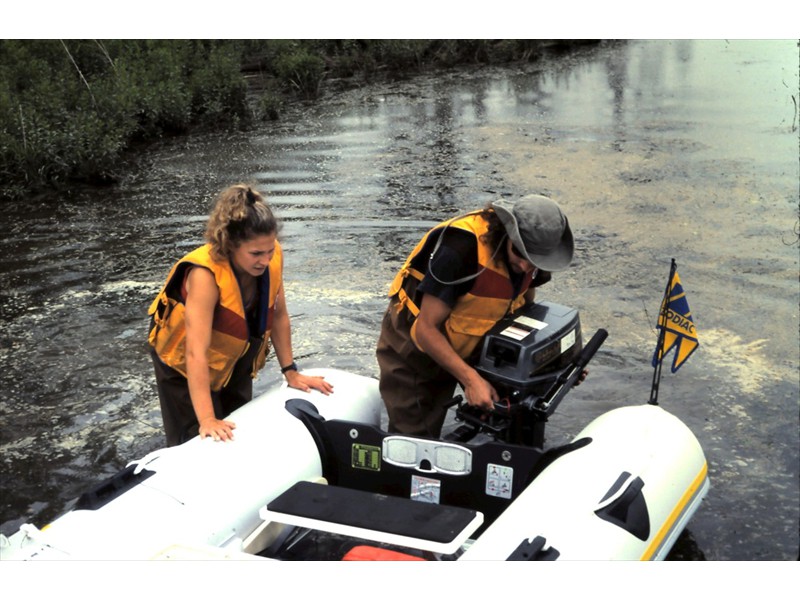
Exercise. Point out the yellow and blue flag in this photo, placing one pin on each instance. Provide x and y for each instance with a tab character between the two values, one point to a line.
676	325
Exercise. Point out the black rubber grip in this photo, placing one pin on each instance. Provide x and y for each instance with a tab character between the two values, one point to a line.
591	347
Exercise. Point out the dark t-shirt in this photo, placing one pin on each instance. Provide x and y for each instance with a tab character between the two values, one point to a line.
456	258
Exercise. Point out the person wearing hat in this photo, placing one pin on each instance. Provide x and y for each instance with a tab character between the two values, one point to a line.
464	276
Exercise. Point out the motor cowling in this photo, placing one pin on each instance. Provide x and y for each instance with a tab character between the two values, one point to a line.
523	353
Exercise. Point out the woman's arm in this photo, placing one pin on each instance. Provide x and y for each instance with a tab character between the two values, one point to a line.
432	314
202	295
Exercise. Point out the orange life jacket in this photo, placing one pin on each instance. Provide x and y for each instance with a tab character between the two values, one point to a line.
490	298
230	334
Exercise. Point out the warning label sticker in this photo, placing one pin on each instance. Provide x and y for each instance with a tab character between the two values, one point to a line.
366	457
424	489
499	480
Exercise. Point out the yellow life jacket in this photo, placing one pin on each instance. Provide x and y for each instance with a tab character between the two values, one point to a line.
230	334
490	298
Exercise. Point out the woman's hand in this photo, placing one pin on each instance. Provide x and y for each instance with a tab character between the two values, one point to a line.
217	429
581	378
480	393
307	383
430	321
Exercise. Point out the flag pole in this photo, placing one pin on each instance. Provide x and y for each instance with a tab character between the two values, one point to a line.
661	335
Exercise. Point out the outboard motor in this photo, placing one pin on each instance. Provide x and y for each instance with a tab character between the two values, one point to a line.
532	358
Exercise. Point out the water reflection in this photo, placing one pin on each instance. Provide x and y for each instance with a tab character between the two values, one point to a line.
356	180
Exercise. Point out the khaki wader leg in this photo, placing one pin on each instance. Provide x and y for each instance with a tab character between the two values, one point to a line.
414	388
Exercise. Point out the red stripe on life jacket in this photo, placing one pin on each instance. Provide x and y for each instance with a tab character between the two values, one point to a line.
228	322
491	284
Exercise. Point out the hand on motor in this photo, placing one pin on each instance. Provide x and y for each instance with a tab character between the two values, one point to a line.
584	374
480	393
217	429
307	383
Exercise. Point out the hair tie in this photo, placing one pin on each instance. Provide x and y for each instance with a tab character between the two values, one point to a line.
251	197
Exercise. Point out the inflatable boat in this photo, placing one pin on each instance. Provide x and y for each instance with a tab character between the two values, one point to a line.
314	477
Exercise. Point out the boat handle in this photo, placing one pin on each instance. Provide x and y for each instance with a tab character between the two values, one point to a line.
618	494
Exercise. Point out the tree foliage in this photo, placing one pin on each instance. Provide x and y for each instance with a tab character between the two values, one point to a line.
69	109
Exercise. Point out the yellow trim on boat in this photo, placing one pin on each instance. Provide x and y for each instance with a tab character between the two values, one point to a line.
676	513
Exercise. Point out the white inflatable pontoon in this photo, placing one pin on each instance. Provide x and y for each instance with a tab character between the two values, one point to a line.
312	477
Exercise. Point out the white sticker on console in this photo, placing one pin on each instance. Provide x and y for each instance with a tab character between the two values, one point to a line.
568	341
499	480
425	489
522	327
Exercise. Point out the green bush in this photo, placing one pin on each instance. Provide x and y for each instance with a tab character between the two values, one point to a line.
301	69
269	106
218	90
70	108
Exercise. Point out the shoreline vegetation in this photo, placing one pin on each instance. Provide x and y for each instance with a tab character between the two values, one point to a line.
73	110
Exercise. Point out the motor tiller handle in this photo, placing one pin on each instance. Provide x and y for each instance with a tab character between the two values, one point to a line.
591	348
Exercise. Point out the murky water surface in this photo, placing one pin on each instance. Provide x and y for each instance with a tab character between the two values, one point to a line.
656	150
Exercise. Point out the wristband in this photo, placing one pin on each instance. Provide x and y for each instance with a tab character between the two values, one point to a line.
291	367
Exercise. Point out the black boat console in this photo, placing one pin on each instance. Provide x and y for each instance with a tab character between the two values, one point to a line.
533	358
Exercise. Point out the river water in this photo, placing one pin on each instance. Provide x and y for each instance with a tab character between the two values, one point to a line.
656	150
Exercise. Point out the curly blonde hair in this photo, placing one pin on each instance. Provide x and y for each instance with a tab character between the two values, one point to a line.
240	213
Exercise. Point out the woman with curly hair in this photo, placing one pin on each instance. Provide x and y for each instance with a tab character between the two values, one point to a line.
214	319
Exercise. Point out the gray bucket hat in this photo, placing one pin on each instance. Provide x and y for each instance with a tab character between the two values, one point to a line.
538	229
